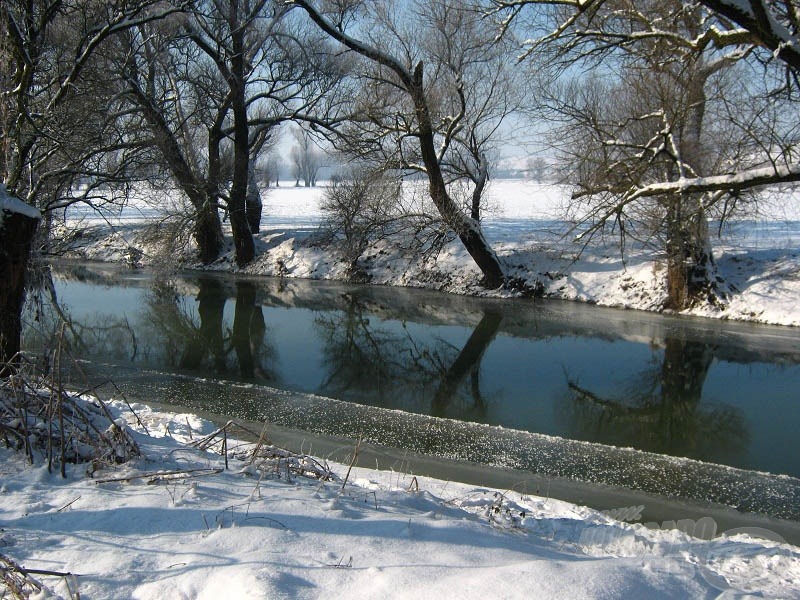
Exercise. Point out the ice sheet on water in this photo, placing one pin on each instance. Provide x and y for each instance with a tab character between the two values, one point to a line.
544	455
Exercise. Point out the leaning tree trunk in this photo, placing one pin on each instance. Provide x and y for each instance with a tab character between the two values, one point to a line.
17	230
467	229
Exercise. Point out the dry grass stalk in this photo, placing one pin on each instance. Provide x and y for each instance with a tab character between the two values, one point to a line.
352	462
262	456
38	416
156	477
16	580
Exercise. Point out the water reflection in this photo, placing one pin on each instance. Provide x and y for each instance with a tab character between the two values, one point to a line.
366	357
380	361
468	362
661	409
656	383
248	336
199	340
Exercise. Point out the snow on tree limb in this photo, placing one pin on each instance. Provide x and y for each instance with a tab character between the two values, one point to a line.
728	183
732	182
761	20
11	204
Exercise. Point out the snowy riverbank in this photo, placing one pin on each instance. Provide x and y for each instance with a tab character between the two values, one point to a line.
176	523
759	259
252	532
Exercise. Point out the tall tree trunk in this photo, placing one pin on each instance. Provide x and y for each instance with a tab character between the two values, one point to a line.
692	274
242	237
17	232
677	257
208	232
253	204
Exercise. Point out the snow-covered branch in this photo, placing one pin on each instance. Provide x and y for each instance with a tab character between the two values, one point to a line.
776	32
732	182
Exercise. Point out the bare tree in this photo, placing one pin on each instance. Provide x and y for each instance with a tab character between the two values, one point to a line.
53	132
306	158
536	169
426	101
359	207
160	81
764	33
640	144
269	167
212	88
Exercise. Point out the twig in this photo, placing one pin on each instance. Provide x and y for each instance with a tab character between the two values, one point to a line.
225	447
346	565
157	476
130	408
352	462
262	439
51	573
68	504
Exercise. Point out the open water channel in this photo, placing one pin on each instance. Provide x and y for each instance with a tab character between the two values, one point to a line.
682	407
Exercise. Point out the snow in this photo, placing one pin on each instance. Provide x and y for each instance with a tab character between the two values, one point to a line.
10	204
251	531
257	532
758	258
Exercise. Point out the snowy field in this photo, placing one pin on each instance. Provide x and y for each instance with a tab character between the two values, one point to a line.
175	524
758	257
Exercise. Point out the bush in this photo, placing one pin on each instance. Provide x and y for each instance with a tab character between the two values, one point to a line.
359	208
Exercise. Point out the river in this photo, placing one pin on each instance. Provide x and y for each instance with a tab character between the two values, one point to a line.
690	407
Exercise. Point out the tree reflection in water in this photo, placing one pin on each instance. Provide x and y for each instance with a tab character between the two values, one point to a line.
662	411
207	339
248	335
373	359
203	343
468	362
49	324
421	354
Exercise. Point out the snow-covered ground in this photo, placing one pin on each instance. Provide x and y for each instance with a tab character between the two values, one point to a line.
199	531
758	258
250	532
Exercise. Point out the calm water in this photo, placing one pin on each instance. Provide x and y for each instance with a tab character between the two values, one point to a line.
712	391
